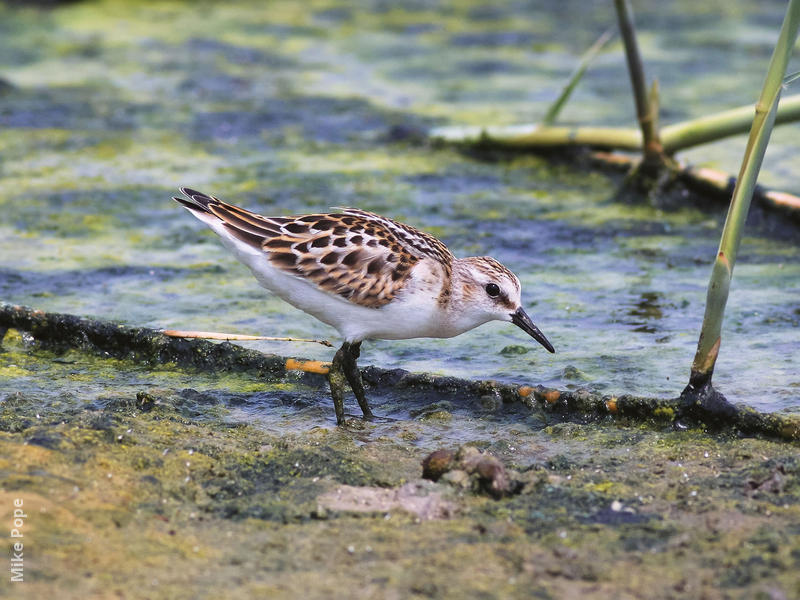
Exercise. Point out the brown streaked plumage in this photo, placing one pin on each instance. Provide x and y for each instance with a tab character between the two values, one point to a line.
363	257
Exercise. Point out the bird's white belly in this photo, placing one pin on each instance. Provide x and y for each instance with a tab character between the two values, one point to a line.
399	320
396	320
408	315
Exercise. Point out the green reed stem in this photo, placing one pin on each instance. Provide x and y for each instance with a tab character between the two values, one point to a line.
719	285
674	138
555	108
533	136
710	128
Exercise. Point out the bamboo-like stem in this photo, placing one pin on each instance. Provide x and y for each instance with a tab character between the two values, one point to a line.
723	124
645	112
766	109
533	136
555	108
709	181
654	103
722	182
791	78
228	337
674	138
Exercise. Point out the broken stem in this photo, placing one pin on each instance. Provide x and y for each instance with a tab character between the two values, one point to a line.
645	109
519	137
710	128
212	335
674	138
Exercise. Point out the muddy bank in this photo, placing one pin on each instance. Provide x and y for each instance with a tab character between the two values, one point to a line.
166	481
59	332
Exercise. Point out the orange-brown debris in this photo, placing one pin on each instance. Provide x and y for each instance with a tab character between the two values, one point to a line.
309	366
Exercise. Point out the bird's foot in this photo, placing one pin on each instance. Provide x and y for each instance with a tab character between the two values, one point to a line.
345	368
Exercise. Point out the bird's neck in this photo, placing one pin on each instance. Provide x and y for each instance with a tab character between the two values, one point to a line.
462	289
462	285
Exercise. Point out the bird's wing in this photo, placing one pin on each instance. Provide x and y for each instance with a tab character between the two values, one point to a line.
360	256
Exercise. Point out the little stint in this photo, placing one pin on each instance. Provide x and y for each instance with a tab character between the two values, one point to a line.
367	276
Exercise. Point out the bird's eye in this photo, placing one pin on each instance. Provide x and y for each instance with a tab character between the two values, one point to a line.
493	290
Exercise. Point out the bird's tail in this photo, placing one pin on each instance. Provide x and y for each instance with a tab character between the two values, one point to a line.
194	200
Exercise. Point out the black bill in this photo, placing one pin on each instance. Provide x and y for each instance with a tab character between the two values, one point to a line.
523	321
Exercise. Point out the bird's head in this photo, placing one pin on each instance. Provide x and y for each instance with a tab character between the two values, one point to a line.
490	292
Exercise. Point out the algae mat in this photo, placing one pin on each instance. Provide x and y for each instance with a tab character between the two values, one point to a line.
154	480
107	107
130	485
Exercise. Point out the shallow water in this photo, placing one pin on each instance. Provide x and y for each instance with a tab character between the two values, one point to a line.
163	482
290	110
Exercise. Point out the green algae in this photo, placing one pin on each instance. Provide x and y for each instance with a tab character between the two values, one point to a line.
196	486
196	503
162	471
259	105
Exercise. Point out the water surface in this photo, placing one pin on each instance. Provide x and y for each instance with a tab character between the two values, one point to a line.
290	109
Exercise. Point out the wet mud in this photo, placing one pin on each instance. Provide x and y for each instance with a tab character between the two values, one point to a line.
240	483
160	468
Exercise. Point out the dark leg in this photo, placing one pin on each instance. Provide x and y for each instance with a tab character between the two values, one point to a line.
353	375
343	368
336	380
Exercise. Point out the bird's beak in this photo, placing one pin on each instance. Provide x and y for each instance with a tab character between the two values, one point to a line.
523	321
